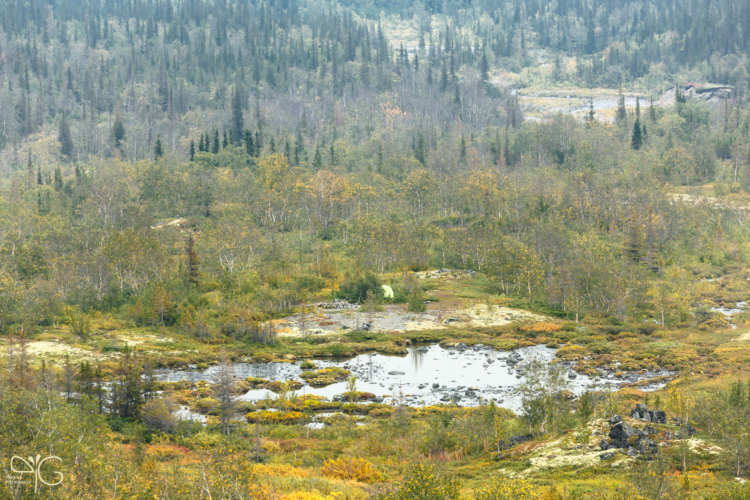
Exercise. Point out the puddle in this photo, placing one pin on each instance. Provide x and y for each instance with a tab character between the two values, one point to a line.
730	311
396	318
427	375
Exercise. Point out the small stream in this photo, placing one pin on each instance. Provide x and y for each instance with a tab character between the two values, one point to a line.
427	375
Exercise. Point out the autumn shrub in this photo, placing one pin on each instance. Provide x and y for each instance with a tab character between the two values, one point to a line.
163	453
307	365
205	405
542	327
425	482
507	489
351	468
276	417
158	416
277	386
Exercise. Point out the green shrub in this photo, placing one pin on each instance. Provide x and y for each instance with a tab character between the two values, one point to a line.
355	290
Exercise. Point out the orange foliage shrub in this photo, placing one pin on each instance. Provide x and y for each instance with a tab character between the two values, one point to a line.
351	468
542	328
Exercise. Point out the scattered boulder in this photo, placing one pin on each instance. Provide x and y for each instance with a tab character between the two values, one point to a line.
632	452
436	386
452	320
615	419
607	456
620	434
422	349
644	444
604	445
641	412
649	431
396	372
514	441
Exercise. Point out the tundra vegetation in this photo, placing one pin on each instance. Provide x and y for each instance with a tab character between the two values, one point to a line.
182	181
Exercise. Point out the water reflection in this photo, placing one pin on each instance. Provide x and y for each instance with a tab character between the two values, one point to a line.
426	375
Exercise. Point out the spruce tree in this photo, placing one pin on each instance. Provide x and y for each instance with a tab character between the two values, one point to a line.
192	149
58	185
637	139
249	145
621	111
66	141
158	149
591	115
216	144
484	68
462	149
118	130
318	159
238	124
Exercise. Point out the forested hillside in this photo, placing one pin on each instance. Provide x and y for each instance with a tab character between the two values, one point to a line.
298	144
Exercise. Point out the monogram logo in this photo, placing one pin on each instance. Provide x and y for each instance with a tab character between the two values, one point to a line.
34	466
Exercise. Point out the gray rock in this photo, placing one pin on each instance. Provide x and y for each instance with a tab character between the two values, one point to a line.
632	452
422	349
645	444
620	434
515	440
396	372
452	320
615	419
659	417
604	445
649	431
607	456
436	386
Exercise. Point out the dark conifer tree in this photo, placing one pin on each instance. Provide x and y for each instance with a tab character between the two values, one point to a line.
238	123
484	68
118	130
637	139
216	144
58	184
66	141
249	145
158	149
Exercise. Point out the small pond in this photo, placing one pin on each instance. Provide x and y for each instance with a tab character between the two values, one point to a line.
427	375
